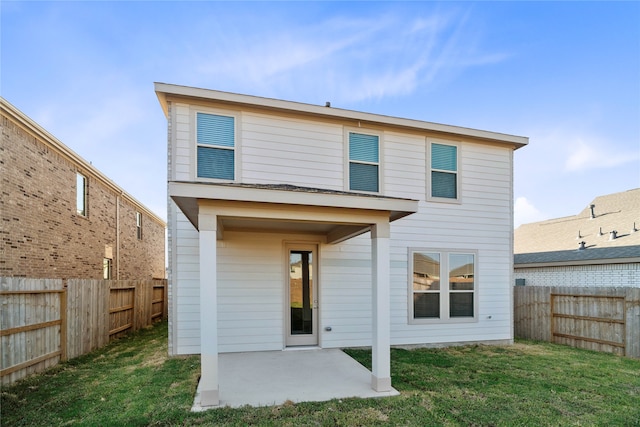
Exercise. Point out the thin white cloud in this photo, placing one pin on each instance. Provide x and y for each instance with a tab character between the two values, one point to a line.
571	148
591	154
349	60
525	212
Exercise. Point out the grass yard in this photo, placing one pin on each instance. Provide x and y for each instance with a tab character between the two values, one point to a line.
133	382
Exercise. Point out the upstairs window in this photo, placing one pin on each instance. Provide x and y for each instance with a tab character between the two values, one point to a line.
139	225
364	162
81	195
444	171
215	146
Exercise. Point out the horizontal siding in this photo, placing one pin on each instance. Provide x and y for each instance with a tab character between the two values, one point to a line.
481	222
183	144
302	152
404	165
250	292
186	286
346	293
292	151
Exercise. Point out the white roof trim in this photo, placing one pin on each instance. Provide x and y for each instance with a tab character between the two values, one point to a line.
51	141
341	208
164	89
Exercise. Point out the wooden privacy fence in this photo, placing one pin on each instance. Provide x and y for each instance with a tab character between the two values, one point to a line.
601	319
44	321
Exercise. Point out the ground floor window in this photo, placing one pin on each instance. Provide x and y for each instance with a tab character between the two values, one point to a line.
442	285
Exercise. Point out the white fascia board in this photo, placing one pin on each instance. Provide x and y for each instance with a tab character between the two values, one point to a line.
603	261
164	89
189	193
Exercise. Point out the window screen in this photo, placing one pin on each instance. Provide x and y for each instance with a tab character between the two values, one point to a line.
444	168
364	159
215	145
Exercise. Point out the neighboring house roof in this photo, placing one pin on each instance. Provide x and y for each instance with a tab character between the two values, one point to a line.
575	257
165	91
71	156
558	240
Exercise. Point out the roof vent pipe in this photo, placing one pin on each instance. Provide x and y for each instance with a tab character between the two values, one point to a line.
582	247
593	215
327	104
579	235
613	235
600	232
634	229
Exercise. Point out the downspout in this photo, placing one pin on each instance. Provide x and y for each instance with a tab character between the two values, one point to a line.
118	236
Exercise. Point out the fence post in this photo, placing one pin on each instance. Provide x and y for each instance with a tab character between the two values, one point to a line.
165	299
552	319
632	306
63	322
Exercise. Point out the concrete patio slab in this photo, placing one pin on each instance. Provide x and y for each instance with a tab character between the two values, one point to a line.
274	377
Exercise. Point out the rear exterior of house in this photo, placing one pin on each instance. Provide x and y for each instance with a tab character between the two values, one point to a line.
299	225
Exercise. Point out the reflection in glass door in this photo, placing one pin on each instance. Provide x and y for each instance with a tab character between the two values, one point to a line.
302	293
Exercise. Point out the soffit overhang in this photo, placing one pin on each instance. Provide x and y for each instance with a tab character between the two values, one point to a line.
336	215
165	92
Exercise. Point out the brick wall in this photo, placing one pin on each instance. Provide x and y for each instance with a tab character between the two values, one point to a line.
42	234
610	275
140	258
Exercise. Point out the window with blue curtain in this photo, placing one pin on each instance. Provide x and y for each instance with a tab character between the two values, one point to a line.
215	145
444	171
364	162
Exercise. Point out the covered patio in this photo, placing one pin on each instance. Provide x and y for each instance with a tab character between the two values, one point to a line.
335	216
268	378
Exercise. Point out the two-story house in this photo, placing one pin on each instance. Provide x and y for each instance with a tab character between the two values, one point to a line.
302	225
64	219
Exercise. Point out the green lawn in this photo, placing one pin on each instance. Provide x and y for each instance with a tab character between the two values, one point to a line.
133	382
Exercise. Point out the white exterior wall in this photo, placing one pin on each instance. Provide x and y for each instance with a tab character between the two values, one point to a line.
291	151
605	275
481	222
251	276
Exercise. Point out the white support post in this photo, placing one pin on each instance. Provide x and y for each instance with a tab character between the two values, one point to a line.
381	340
209	388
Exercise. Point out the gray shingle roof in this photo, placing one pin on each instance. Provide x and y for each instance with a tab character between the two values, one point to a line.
557	240
620	252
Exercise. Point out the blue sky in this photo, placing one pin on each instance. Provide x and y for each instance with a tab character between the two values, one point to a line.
565	74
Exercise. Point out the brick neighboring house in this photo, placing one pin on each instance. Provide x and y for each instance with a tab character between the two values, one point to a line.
599	246
63	218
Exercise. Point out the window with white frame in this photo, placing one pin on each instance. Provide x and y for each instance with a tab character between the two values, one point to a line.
364	162
444	171
81	195
442	285
139	225
106	268
215	146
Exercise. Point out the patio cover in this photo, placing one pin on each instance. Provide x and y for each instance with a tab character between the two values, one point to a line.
336	215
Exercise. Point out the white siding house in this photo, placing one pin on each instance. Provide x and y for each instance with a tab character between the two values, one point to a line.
300	225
